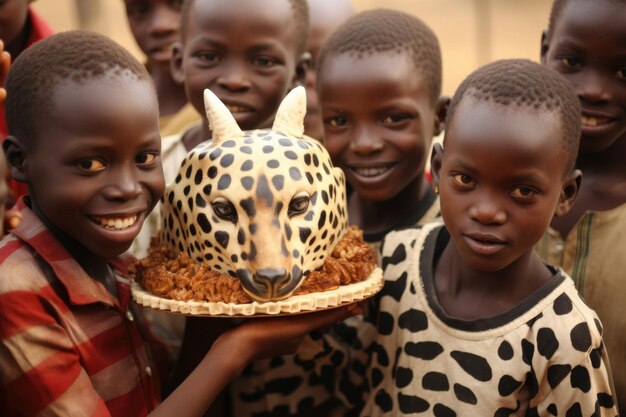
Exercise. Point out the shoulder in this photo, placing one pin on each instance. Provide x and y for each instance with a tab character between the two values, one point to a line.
403	240
20	267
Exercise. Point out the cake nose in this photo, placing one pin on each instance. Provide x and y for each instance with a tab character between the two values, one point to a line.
271	281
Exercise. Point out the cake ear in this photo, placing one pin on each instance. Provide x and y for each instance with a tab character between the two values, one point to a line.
221	122
290	115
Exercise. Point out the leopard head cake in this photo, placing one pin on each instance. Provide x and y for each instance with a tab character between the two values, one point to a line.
265	206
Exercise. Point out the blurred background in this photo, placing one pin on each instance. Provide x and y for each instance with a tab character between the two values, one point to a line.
471	32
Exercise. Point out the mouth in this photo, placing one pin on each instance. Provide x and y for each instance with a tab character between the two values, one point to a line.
237	108
484	243
162	48
115	222
372	171
592	121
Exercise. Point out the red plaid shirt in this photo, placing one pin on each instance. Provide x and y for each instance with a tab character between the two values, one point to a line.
67	346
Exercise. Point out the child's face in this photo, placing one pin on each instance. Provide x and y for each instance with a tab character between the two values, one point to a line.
588	47
501	179
12	19
378	121
95	171
155	25
244	51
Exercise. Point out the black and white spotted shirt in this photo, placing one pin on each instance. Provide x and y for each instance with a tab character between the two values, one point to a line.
544	357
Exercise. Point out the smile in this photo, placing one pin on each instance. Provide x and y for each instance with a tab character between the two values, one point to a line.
115	223
371	171
234	108
594	121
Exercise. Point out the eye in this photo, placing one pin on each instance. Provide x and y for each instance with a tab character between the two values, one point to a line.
146	158
91	165
396	118
208	57
337	121
298	204
463	180
523	192
225	210
264	61
571	62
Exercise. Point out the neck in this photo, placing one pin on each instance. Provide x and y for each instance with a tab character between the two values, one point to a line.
95	266
376	216
196	135
171	94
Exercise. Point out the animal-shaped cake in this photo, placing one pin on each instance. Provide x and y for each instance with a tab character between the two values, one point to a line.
260	210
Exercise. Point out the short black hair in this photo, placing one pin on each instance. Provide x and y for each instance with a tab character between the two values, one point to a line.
557	8
381	31
521	82
75	56
300	10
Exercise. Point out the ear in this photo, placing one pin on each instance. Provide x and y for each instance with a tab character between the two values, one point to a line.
569	192
545	35
436	160
15	152
221	122
303	64
290	114
176	63
441	110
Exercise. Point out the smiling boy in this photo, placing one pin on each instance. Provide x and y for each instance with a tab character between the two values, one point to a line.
586	43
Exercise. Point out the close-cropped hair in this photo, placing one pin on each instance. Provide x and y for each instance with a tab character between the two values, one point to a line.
559	5
523	83
73	56
300	9
389	31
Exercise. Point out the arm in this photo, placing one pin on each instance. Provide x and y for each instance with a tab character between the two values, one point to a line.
234	349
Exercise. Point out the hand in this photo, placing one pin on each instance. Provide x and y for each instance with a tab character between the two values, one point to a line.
268	337
5	63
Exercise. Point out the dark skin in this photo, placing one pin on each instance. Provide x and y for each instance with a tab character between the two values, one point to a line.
155	24
502	178
13	25
587	46
378	126
250	71
92	180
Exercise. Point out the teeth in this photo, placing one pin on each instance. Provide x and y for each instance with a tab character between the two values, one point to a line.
371	172
593	121
237	109
116	223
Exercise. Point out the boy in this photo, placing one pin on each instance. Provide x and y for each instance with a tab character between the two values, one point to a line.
585	42
83	118
325	16
249	60
379	84
20	27
155	24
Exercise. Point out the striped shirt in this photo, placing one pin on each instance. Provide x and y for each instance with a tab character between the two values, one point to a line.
68	347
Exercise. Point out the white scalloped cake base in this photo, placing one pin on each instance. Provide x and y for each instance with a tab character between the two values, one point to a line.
295	304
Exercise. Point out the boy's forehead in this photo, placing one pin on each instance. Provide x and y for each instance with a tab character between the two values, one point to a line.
598	18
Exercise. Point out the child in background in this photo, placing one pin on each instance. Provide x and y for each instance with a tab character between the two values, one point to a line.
379	84
85	139
325	16
155	24
586	43
20	27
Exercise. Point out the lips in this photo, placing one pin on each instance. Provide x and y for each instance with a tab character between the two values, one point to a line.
591	121
115	222
372	171
484	243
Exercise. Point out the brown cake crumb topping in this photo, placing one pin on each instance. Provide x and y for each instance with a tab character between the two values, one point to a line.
172	275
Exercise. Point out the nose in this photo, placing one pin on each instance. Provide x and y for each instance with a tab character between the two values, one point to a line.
234	78
124	185
594	88
487	211
165	20
366	141
271	280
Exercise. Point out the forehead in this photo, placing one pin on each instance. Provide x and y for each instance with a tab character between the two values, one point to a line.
505	135
103	105
598	20
247	21
383	75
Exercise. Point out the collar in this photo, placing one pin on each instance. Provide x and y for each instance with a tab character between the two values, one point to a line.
81	288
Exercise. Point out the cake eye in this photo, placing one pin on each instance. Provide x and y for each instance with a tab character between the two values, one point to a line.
298	205
225	210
